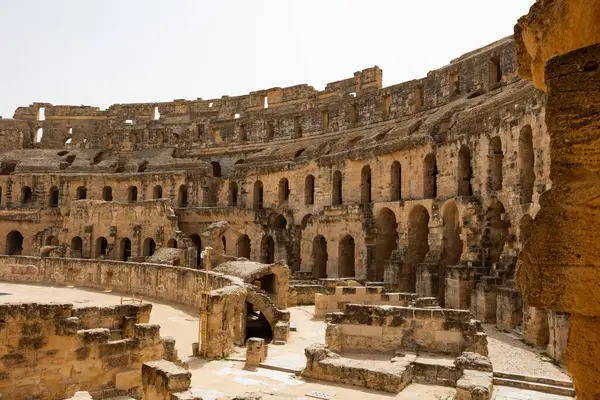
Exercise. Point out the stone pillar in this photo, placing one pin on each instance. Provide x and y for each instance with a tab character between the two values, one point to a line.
509	310
427	280
256	352
485	295
460	282
535	325
558	327
162	379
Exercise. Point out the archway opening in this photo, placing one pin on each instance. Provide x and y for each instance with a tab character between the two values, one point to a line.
132	193
418	244
336	190
396	181
526	163
365	185
309	190
81	193
284	191
172	243
149	247
258	195
279	222
224	242
101	247
385	242
183	196
233	193
125	249
216	169
257	324
319	254
346	258
465	172
157	192
76	247
198	243
243	247
496	157
53	197
107	193
267	250
14	243
26	196
430	178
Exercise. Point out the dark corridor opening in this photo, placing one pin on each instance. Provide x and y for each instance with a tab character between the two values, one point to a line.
257	325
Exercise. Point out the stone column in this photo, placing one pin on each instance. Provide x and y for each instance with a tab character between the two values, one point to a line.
558	327
535	325
460	282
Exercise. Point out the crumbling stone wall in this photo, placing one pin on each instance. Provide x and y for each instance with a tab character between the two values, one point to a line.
51	351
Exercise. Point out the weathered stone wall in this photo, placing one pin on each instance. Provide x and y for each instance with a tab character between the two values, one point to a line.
50	351
381	329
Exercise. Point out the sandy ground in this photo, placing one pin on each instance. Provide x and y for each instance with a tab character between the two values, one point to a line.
212	379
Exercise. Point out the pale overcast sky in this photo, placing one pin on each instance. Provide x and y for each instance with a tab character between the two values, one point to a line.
120	51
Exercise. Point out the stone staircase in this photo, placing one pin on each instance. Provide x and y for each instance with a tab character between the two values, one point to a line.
539	384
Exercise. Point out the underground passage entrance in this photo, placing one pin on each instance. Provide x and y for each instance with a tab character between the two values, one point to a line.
257	325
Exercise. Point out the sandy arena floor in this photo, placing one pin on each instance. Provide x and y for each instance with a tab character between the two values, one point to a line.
212	379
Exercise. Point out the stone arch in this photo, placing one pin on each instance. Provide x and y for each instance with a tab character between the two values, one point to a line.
284	191
319	255
526	164
346	257
496	158
418	243
267	250
365	185
278	222
525	226
243	246
125	249
51	241
26	196
101	247
157	192
183	196
197	241
452	245
149	247
430	172
172	243
396	180
132	194
464	172
107	193
76	247
216	167
81	193
495	233
336	189
386	241
309	190
53	197
258	195
305	221
14	243
233	194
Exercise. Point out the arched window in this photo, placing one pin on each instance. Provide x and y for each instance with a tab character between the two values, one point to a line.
346	258
526	164
258	195
216	169
430	177
76	247
172	243
81	193
319	255
396	181
279	222
309	190
14	243
496	157
125	249
464	172
183	196
101	247
243	246
26	196
53	197
336	194
149	247
198	243
268	250
233	193
51	241
365	185
157	192
132	194
107	193
284	190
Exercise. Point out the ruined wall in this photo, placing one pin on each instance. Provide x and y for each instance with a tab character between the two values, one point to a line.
51	351
381	329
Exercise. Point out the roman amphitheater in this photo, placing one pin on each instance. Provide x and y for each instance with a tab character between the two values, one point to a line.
433	239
